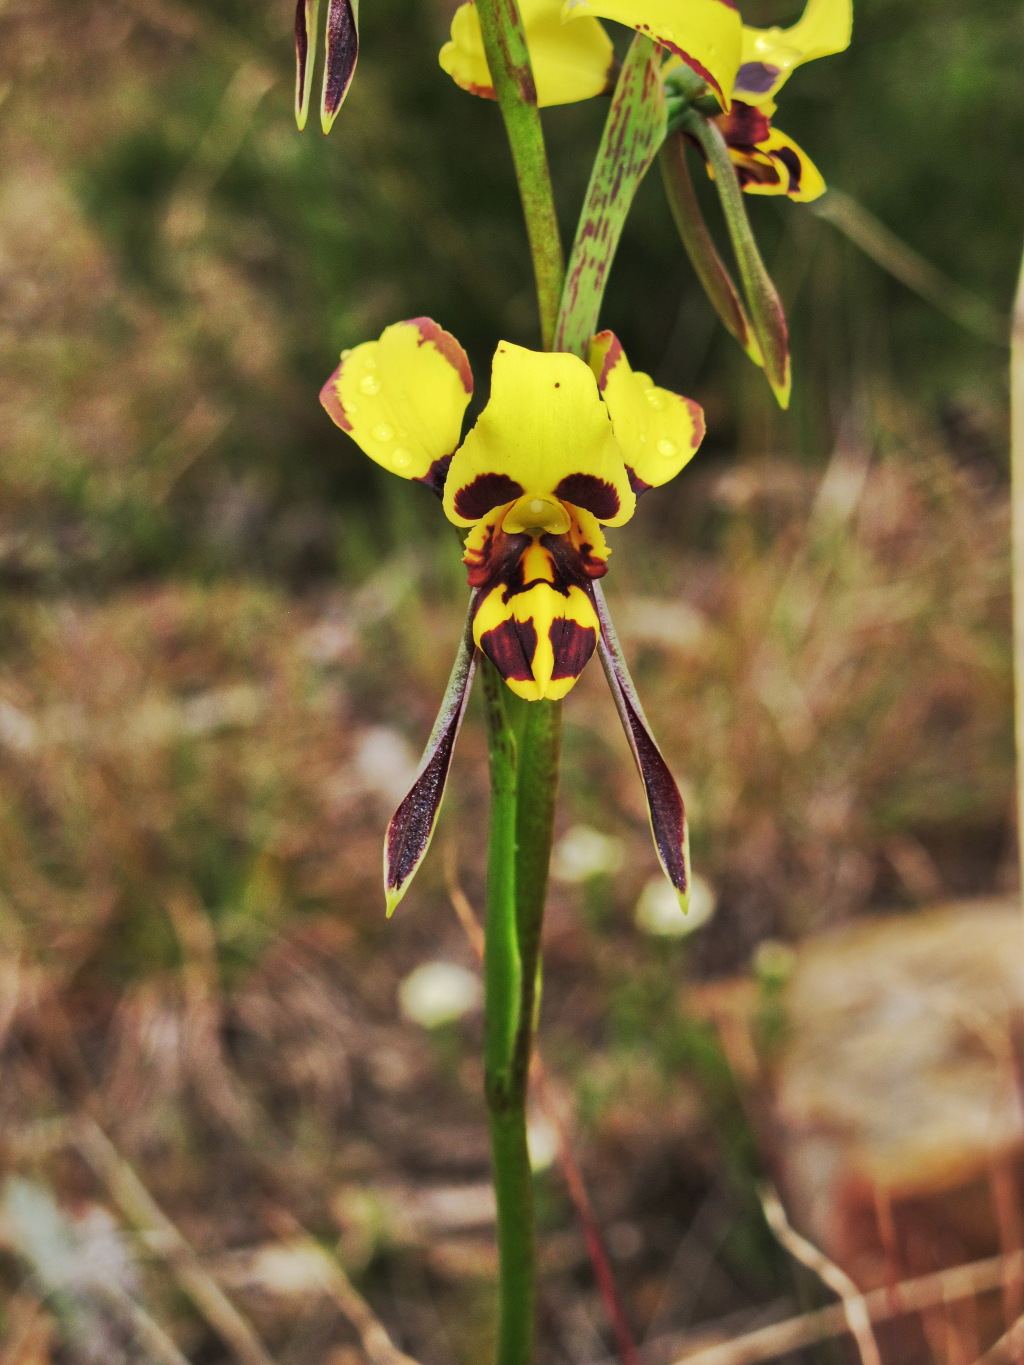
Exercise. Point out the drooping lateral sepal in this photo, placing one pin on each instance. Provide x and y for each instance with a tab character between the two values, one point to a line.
763	302
341	54
700	246
307	14
412	825
664	800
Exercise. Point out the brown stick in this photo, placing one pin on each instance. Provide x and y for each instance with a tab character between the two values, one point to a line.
138	1207
827	1271
373	1335
944	1286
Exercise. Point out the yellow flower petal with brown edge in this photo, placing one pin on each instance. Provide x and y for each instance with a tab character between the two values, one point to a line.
570	63
778	166
658	431
545	435
539	639
402	398
770	55
706	34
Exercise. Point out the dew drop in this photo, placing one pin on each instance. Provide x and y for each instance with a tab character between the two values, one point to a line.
369	363
383	432
668	449
351	408
401	459
655	399
369	385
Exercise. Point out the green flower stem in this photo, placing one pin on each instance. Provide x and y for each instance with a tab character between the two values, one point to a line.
540	744
509	61
762	298
524	770
505	1085
502	965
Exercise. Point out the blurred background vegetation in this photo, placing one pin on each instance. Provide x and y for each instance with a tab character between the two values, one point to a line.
225	633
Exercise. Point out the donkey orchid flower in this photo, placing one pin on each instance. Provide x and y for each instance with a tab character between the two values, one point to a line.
561	450
575	61
341	40
766	160
743	67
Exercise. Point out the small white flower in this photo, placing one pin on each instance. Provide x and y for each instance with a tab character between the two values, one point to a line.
658	910
584	853
438	992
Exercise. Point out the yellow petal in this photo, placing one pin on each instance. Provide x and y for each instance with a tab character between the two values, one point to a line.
402	398
569	64
706	34
778	166
658	431
771	54
544	434
539	640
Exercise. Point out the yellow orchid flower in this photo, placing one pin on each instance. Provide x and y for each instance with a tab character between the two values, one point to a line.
561	451
767	161
572	56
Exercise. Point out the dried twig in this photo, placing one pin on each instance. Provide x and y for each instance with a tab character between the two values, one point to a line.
372	1333
827	1271
138	1207
1008	1350
915	1296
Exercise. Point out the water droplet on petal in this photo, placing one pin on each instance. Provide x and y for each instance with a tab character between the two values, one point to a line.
654	398
668	449
369	385
369	363
401	459
383	432
351	408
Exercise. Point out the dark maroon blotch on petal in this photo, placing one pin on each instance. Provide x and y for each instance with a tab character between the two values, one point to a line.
757	77
791	162
486	492
435	476
587	491
511	648
573	645
636	482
